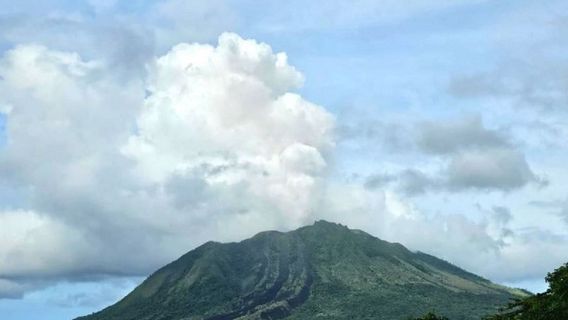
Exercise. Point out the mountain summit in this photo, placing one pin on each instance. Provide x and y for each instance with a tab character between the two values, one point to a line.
322	271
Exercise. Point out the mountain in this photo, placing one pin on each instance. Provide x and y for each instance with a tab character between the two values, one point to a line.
322	271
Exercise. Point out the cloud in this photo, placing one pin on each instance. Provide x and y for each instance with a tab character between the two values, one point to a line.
564	211
394	137
530	74
13	290
501	169
106	38
112	152
90	294
36	245
502	215
414	182
449	137
516	90
30	243
473	158
228	109
112	167
214	144
378	180
178	20
127	35
556	207
490	246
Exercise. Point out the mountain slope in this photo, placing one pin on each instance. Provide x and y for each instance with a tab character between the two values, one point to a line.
324	271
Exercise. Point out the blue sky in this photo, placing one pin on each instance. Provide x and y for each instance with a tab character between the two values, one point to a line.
133	131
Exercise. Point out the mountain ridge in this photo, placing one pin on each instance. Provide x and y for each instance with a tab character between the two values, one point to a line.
324	270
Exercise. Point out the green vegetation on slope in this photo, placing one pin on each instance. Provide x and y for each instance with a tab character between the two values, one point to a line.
324	271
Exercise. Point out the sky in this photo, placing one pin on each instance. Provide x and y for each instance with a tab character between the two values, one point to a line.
133	131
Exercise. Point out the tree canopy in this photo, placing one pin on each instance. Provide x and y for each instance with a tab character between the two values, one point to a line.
431	316
550	305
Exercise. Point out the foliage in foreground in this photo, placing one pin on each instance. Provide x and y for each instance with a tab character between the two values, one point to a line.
431	316
550	305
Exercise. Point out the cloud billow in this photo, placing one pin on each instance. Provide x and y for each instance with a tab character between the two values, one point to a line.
450	137
112	169
476	158
499	169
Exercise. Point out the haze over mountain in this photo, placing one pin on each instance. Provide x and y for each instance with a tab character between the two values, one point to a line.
322	271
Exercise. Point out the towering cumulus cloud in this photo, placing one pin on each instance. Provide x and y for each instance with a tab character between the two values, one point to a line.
102	172
221	121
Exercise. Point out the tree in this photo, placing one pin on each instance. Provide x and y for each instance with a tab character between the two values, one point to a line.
431	316
550	305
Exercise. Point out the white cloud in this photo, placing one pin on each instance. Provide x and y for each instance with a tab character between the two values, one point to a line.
490	246
36	244
212	143
106	172
228	109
